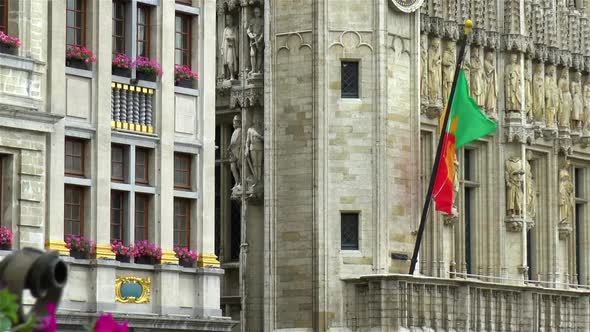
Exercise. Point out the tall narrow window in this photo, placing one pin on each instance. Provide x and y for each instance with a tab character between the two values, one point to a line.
141	166
182	210
3	15
580	206
141	217
75	23
349	79
143	30
182	171
117	215
74	157
117	163
118	27
349	231
182	40
470	185
73	210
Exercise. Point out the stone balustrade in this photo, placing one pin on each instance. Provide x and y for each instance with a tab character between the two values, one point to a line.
403	302
132	107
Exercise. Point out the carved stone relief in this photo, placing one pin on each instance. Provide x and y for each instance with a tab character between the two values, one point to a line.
512	84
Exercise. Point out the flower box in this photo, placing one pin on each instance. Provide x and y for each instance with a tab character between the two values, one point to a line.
8	44
145	259
123	72
7	49
5	246
186	256
77	254
145	76
123	258
78	64
184	83
5	238
186	263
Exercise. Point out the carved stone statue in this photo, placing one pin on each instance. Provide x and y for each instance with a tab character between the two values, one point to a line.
255	151
434	72
448	65
255	33
513	79
235	153
229	48
528	93
477	77
538	94
578	101
531	191
491	89
565	99
456	187
514	188
551	97
424	66
466	66
586	117
566	194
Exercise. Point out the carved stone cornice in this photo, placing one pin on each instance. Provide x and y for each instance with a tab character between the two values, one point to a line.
224	6
578	62
515	42
451	30
564	58
246	97
563	145
515	131
436	27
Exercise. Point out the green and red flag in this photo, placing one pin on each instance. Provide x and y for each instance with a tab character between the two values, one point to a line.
466	123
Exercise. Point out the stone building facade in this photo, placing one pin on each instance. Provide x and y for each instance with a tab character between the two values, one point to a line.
351	95
86	152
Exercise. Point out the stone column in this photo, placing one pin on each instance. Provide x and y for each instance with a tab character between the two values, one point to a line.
166	280
165	128
206	238
54	228
102	142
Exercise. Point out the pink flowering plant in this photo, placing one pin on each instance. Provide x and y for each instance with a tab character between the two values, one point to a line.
147	66
106	323
5	235
9	40
182	72
186	254
145	248
81	244
122	61
120	249
80	53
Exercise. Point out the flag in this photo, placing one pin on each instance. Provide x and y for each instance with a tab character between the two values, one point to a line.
466	123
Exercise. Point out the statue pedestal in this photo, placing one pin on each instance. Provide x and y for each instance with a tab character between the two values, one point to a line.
432	111
564	229
514	223
550	133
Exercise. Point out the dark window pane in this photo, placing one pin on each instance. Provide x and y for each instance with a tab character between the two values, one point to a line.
349	79
181	222
349	231
117	163
182	165
117	215
74	157
141	217
73	210
141	166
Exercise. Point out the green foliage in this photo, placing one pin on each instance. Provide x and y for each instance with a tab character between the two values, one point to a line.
9	316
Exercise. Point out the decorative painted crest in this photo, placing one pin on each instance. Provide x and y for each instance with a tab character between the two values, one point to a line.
407	6
132	289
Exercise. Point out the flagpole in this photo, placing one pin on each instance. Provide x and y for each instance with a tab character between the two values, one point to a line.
426	207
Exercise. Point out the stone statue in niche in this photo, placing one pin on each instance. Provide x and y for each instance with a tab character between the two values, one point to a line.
578	101
586	117
551	97
456	187
538	94
229	48
513	79
566	194
434	72
477	77
565	99
514	188
235	154
531	191
448	65
255	33
528	93
255	151
466	66
491	89
424	66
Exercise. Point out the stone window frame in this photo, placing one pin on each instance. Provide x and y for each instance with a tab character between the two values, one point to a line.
348	247
83	143
131	189
357	93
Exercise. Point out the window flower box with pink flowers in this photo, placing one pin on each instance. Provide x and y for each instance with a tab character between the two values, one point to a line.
80	247
146	252
122	252
146	69
186	256
80	58
8	44
121	65
184	76
5	238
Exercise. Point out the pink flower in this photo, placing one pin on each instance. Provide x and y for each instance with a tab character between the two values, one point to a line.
106	323
48	323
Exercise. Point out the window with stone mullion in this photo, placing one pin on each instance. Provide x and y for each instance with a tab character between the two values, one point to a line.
469	184
119	24
580	207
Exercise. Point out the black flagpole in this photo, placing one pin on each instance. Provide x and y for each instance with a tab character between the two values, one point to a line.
426	207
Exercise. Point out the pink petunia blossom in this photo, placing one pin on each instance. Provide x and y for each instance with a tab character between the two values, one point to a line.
106	323
48	323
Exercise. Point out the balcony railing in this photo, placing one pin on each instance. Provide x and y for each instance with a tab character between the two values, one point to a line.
402	303
131	107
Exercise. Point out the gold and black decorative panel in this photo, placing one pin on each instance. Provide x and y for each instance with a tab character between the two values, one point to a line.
407	6
132	289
